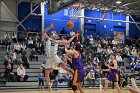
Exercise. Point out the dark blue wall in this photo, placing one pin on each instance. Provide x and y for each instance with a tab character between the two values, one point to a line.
33	22
110	26
60	21
133	30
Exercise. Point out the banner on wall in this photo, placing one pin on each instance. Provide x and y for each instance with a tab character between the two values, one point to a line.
119	36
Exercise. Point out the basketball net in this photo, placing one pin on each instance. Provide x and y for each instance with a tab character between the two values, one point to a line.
73	12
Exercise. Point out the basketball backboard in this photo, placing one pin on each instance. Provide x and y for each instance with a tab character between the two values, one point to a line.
57	5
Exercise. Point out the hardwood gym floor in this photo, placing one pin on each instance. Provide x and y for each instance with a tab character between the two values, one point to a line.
59	91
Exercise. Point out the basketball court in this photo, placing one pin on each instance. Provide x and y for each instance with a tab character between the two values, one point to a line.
60	91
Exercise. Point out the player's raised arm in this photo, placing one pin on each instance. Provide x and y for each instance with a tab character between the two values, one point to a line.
44	35
69	59
69	52
67	42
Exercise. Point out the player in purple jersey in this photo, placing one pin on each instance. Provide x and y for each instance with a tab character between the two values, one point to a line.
113	74
78	68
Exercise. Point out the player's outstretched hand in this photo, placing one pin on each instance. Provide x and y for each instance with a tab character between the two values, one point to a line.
52	25
134	88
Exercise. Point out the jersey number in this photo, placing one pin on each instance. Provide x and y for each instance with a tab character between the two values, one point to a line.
52	43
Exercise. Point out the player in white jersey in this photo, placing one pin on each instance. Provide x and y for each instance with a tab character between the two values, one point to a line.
52	59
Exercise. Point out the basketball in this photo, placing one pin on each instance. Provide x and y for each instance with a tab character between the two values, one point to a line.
70	24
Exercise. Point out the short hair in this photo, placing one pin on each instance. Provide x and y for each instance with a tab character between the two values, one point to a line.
53	32
78	47
112	54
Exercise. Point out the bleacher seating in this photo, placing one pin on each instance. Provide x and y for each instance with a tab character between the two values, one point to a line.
34	71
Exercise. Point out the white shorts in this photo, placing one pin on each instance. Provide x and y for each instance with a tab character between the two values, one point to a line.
53	62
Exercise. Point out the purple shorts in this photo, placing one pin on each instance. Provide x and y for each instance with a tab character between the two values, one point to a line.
113	77
78	76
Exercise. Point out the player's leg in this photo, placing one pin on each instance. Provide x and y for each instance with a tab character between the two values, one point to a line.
117	86
106	85
78	79
63	66
116	79
74	84
58	62
47	78
80	87
75	89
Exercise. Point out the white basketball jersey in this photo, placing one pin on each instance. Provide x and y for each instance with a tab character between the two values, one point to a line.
51	47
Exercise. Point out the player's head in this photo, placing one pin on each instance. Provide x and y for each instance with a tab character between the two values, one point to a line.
112	56
54	35
77	47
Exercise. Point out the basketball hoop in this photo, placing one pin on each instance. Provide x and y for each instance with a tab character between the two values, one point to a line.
73	11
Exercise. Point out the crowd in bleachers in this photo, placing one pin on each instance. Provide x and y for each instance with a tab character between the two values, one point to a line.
17	55
95	53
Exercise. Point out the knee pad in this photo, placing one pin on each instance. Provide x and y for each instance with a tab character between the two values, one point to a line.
74	88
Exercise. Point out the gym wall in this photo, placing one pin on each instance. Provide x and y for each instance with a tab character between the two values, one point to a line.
8	10
32	22
99	27
102	27
133	30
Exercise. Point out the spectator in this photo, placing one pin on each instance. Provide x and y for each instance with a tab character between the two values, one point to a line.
30	42
87	41
119	58
98	72
63	31
91	78
72	33
17	47
132	65
127	49
42	48
23	46
14	36
84	57
18	58
114	42
109	50
78	37
96	60
134	52
25	61
41	80
13	56
8	74
95	44
38	48
64	58
42	67
99	49
7	59
33	54
26	42
91	40
21	73
103	54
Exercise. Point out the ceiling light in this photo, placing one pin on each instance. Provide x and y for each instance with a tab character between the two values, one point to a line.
118	2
